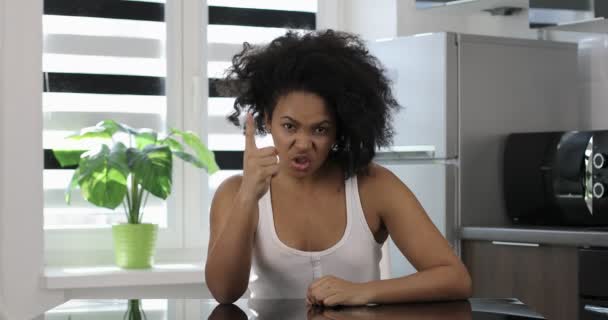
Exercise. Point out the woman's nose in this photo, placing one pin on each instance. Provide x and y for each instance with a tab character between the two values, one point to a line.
303	142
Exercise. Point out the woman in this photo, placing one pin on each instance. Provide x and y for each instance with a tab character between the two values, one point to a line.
310	214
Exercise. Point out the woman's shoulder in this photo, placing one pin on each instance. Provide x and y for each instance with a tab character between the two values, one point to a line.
230	185
381	191
371	182
379	184
376	176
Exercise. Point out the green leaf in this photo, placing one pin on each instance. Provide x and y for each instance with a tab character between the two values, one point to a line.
125	128
189	158
172	143
113	127
118	158
91	133
73	184
104	129
145	137
152	167
68	157
103	175
204	155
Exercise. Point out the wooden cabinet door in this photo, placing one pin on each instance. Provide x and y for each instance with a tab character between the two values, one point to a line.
543	277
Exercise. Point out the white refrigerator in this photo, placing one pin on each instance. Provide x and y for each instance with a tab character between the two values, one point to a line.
461	95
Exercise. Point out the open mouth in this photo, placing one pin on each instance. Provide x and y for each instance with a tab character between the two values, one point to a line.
300	163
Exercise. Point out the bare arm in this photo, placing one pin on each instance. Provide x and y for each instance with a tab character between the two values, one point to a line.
233	221
441	275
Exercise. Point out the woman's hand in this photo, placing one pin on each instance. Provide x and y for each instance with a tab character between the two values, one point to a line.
332	291
259	165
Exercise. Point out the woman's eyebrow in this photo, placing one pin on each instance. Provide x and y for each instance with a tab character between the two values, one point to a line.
314	124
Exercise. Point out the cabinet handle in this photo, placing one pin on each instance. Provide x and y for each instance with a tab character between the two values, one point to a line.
515	244
596	309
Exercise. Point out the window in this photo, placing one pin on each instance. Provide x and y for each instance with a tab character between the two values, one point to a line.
148	64
105	59
99	62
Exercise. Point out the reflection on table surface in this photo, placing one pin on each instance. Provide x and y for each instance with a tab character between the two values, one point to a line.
182	309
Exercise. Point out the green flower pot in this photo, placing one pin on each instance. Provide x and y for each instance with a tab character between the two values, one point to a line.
134	245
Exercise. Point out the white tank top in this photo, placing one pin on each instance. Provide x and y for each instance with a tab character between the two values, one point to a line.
282	272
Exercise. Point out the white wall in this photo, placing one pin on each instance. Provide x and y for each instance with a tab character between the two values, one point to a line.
370	19
21	197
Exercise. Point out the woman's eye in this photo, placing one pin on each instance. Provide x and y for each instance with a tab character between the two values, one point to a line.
288	126
321	130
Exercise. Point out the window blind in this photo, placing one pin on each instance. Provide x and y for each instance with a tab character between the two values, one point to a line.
102	59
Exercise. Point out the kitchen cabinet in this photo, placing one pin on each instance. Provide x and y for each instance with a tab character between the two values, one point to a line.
545	277
551	15
566	15
470	7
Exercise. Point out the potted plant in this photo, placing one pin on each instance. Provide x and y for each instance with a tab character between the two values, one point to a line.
125	172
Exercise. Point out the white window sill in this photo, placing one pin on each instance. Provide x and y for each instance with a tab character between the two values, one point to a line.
112	276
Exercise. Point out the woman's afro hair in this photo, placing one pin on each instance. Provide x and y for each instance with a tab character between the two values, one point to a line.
334	65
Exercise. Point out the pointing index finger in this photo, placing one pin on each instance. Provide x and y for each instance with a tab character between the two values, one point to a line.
250	132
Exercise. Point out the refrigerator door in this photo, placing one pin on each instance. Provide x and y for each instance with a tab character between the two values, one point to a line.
423	69
434	185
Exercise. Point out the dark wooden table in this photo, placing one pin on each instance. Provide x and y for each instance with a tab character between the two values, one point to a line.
186	309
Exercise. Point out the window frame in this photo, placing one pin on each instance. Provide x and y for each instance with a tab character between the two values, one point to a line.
185	233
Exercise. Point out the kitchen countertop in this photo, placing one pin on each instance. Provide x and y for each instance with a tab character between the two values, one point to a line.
182	309
566	236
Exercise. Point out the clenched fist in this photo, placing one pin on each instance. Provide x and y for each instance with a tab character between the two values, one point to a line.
259	165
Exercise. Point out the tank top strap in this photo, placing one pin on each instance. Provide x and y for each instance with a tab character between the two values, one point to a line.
356	209
264	213
352	195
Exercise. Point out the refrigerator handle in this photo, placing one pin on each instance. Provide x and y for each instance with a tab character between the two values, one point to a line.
405	152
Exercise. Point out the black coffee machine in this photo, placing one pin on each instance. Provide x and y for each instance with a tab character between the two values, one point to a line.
557	178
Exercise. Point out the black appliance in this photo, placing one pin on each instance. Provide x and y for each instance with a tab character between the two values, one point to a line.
557	178
593	283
